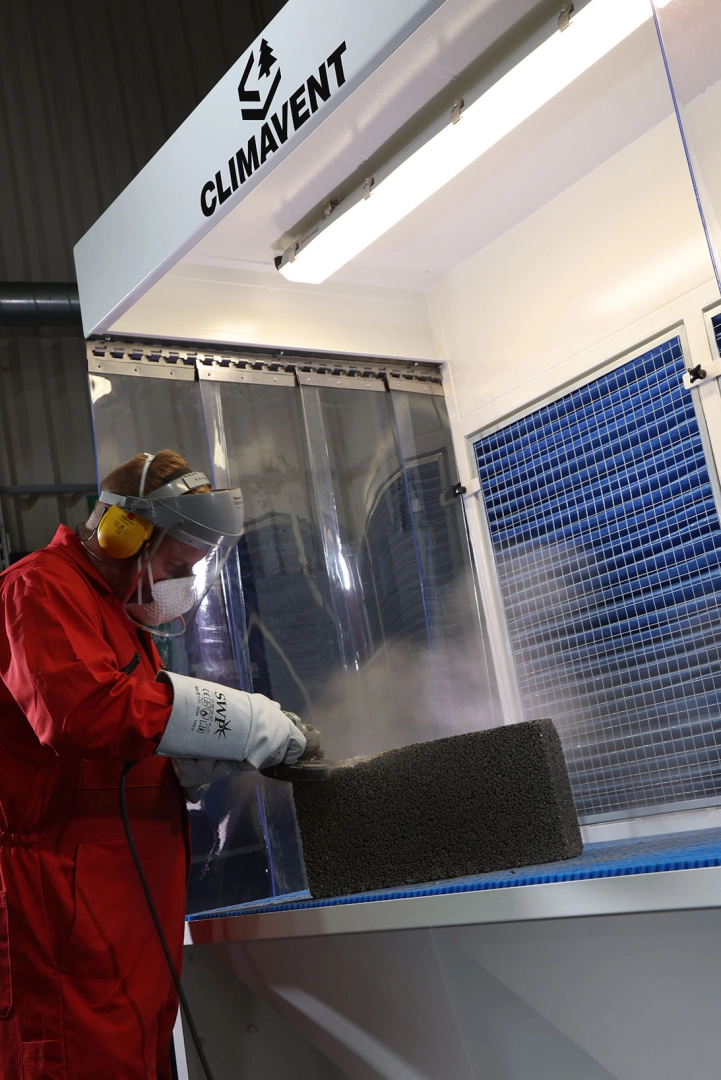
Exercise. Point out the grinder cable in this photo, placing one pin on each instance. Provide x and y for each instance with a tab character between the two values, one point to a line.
158	927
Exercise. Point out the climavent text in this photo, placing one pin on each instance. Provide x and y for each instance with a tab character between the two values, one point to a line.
296	110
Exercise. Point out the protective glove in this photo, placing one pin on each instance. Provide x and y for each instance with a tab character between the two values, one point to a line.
312	736
197	774
216	722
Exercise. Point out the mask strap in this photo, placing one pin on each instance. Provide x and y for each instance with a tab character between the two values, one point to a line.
149	458
145	560
140	578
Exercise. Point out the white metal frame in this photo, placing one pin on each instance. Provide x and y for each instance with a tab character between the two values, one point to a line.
602	368
708	314
707	397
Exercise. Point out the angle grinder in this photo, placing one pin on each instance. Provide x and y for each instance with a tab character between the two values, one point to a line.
310	766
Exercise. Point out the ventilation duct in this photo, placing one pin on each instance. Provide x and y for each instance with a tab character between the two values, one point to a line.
33	304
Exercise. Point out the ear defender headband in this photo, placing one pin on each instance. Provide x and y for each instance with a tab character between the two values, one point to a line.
121	534
198	519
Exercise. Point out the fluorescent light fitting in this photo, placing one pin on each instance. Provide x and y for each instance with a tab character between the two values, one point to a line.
535	80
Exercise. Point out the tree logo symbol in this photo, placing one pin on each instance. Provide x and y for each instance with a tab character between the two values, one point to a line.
266	60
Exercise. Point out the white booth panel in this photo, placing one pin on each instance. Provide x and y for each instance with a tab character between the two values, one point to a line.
597	270
228	304
648	981
623	997
604	265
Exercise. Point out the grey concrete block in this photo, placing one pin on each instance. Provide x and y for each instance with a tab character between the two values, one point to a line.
468	804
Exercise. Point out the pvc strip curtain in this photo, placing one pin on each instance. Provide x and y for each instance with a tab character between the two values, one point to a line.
361	607
351	599
458	660
607	546
339	508
231	845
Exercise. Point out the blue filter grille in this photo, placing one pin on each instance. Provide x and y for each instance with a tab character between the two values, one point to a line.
607	547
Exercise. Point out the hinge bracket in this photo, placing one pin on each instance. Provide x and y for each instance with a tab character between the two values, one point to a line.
564	16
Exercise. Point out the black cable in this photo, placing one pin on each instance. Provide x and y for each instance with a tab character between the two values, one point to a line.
161	936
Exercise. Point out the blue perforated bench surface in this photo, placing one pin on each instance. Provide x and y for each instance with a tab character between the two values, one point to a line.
613	858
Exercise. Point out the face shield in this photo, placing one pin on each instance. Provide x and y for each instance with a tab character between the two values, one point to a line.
195	534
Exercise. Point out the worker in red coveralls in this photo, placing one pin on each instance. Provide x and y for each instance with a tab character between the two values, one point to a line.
85	991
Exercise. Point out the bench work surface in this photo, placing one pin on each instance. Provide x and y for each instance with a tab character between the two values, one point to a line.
612	858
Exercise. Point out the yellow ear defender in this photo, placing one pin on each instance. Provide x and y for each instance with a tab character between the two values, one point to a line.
121	534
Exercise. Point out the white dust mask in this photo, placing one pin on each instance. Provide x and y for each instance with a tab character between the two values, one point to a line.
171	599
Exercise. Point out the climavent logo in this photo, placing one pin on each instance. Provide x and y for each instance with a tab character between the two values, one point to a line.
257	93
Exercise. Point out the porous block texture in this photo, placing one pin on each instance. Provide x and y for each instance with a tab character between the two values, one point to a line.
469	804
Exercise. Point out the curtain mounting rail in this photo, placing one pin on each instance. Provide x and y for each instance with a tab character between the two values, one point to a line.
247	365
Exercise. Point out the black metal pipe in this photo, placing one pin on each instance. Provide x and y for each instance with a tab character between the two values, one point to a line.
29	303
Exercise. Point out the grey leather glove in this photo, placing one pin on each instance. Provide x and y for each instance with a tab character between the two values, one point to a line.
216	722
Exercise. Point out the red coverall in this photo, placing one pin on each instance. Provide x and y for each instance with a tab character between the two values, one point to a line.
85	992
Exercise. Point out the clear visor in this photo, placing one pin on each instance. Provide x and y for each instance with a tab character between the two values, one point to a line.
173	580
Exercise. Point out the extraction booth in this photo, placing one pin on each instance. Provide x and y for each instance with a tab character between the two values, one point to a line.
436	283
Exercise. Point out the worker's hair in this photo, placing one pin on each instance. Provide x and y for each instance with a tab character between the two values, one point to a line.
125	480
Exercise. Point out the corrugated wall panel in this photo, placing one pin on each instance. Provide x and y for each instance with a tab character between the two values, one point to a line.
45	432
89	90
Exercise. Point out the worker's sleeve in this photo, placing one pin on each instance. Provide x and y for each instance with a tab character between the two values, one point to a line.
66	678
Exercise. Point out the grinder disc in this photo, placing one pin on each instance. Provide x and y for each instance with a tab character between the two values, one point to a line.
301	771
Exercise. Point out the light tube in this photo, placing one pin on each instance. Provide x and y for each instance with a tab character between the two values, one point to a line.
545	72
